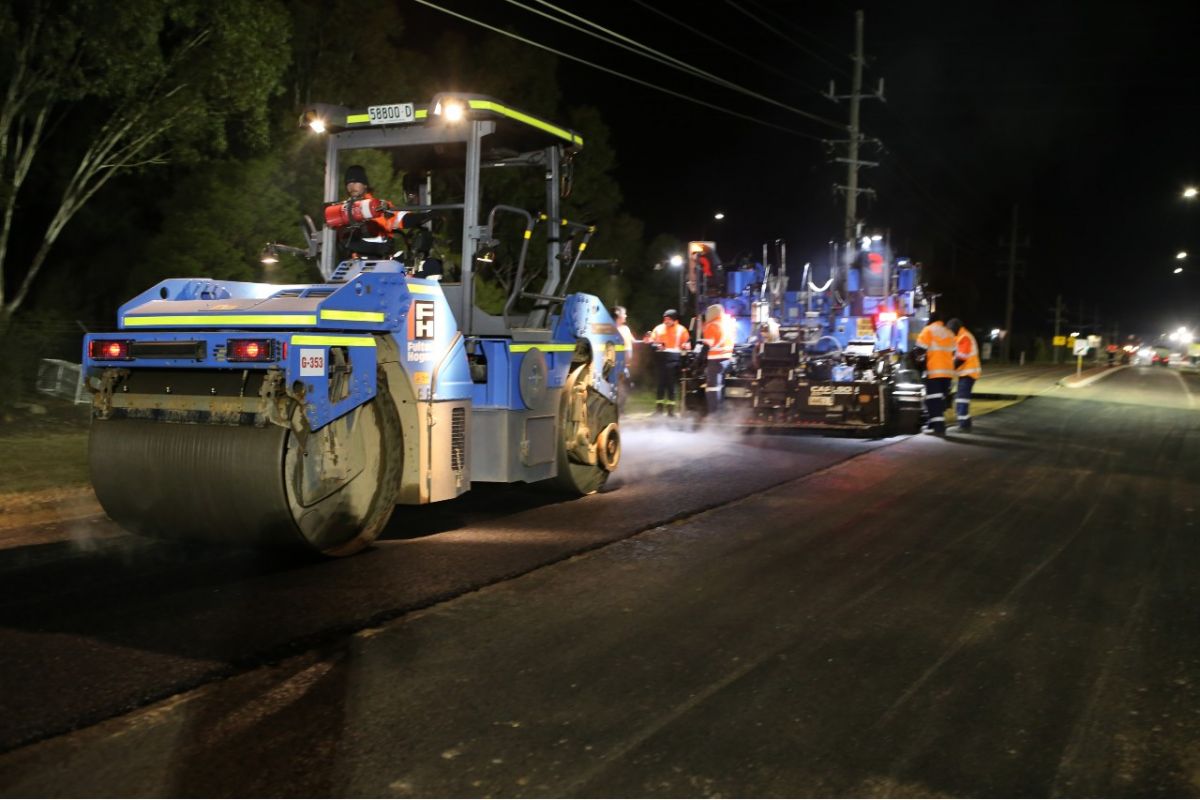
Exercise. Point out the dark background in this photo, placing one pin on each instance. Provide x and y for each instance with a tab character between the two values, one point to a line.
1083	115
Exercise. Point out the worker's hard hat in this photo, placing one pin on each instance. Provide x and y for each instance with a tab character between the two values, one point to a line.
355	173
672	313
713	312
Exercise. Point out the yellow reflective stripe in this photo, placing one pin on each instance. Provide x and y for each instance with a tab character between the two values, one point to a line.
620	348
528	233
223	320
334	341
547	348
420	288
355	119
562	133
582	246
353	316
422	113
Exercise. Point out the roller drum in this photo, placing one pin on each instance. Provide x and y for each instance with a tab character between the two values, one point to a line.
248	485
218	483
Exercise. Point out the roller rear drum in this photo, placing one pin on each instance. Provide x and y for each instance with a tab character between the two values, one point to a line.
331	493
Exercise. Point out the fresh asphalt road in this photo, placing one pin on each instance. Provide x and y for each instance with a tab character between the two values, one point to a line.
94	622
1006	613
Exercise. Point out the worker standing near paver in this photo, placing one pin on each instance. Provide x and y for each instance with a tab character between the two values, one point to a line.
968	369
937	343
669	339
719	334
625	379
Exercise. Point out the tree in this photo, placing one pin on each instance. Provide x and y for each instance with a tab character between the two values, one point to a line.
170	79
234	207
352	62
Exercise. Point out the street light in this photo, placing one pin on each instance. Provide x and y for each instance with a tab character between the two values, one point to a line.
1182	254
720	215
676	262
1190	192
1178	270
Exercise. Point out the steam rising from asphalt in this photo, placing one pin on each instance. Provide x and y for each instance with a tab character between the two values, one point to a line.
655	447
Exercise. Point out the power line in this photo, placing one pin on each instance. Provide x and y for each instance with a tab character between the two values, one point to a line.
786	38
630	78
636	47
723	45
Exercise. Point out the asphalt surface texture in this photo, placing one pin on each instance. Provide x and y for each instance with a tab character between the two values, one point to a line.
1009	612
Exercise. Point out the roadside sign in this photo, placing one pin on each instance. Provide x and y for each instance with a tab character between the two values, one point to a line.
1080	347
1060	341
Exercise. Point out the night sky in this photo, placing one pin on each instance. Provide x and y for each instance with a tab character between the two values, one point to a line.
1086	116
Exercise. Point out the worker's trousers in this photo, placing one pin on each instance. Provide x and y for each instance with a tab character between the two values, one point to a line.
714	383
936	392
668	380
962	402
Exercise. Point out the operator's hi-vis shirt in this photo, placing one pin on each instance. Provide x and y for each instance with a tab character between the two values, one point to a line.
672	338
719	335
938	341
379	228
966	350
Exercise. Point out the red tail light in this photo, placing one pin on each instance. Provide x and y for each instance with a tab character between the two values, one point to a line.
250	350
108	350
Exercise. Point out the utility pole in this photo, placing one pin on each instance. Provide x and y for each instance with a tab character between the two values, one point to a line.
1012	275
856	139
855	130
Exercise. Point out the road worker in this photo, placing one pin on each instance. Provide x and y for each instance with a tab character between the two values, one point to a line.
371	235
968	369
937	343
719	334
669	340
625	379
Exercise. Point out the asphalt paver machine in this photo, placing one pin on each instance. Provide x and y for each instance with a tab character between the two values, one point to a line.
301	415
832	356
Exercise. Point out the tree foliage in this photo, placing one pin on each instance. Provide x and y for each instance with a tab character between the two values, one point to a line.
208	93
155	78
244	206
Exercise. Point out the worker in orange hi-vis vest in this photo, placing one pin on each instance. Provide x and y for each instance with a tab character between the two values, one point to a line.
669	340
719	334
366	224
968	369
936	341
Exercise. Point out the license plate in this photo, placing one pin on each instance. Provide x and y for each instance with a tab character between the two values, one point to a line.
820	400
391	114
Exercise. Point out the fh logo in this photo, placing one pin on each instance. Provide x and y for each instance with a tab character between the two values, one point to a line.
422	316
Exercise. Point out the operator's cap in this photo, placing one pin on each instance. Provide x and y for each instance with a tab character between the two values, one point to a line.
355	173
672	313
713	312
